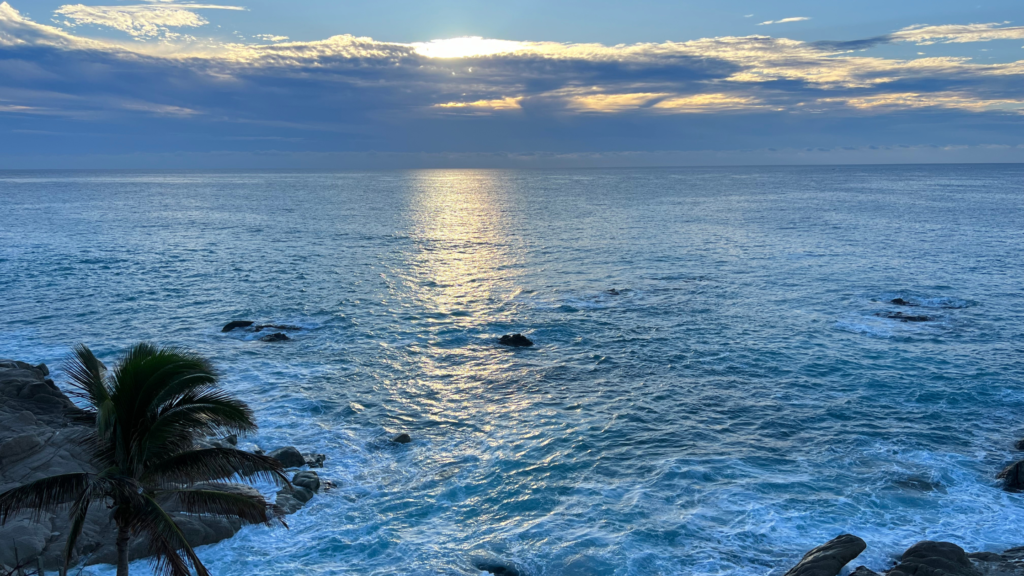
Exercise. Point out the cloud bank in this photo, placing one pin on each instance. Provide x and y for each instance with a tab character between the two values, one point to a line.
354	95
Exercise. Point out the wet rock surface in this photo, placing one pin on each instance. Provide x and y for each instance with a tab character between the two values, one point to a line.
236	324
275	337
517	340
928	558
829	558
289	456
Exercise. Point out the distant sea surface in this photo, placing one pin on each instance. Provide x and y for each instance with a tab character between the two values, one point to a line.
741	399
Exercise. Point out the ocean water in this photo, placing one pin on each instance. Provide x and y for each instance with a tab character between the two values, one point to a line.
742	398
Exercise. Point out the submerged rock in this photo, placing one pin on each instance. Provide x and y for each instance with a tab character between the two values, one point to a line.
276	327
236	324
275	337
829	558
901	302
496	568
1013	477
402	438
928	558
1019	445
612	292
517	340
904	317
288	456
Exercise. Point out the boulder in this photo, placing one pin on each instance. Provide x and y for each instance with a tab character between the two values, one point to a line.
315	460
1019	445
290	499
497	568
901	302
517	340
275	337
288	456
612	292
402	438
829	558
44	369
1013	477
236	324
927	558
863	571
307	479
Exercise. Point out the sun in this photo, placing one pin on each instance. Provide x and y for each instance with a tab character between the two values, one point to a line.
465	47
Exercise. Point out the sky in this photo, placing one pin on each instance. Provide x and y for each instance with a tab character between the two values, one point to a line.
329	84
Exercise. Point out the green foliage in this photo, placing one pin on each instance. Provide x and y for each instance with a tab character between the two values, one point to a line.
148	413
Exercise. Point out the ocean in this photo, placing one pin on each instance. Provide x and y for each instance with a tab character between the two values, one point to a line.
719	381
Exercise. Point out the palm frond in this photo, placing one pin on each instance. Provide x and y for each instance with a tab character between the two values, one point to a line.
79	510
209	464
43	495
249	508
204	412
172	552
87	376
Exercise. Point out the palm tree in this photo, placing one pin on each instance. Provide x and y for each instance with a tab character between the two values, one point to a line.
149	411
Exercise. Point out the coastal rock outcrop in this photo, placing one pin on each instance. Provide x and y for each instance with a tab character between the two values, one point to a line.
275	337
289	456
402	438
236	324
863	571
1012	477
829	558
517	340
928	558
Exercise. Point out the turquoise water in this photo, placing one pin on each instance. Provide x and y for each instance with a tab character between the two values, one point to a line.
738	402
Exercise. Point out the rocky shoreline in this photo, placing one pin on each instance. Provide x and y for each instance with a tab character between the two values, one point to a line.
40	430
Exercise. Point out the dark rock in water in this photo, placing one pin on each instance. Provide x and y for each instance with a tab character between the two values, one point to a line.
515	340
43	368
307	479
276	327
496	568
402	438
863	571
904	317
901	302
236	324
1013	477
315	460
291	499
275	337
1019	445
288	456
612	292
985	556
927	558
829	558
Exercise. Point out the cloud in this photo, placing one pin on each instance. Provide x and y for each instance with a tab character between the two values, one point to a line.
139	21
956	34
348	93
784	20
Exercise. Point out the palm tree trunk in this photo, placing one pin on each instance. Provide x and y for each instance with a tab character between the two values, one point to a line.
122	550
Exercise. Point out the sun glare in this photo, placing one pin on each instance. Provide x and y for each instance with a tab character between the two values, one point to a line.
465	47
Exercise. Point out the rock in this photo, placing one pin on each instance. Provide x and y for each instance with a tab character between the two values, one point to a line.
307	479
496	568
612	292
315	460
19	447
236	324
288	456
901	302
1013	477
829	558
517	340
275	337
863	571
290	499
985	556
1019	445
276	327
402	438
927	558
44	369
